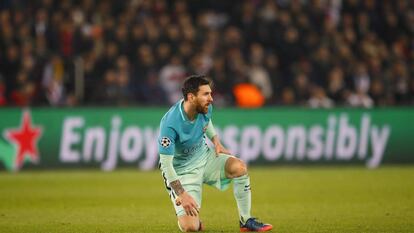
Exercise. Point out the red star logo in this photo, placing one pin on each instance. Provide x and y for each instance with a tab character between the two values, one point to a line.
25	138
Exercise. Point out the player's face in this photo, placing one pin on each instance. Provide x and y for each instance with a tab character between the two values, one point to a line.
203	99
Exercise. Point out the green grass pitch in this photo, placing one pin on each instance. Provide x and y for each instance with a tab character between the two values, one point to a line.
293	199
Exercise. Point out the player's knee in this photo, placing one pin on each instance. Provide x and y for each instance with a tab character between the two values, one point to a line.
190	226
237	168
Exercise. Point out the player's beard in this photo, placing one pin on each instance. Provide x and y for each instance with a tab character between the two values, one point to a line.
202	108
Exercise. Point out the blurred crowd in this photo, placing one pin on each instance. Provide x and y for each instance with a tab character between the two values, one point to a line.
317	53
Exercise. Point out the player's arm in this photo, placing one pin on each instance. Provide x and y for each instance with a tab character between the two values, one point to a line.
183	198
166	148
212	135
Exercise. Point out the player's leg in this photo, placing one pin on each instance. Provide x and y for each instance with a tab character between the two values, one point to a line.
236	169
188	223
192	183
220	171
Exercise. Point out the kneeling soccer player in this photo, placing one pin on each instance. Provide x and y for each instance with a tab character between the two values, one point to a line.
187	162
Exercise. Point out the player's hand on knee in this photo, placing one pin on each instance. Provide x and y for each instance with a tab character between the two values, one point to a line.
220	149
188	203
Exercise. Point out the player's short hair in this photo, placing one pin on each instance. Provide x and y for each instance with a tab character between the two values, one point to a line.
192	84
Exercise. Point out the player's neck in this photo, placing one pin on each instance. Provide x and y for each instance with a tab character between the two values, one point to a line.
189	110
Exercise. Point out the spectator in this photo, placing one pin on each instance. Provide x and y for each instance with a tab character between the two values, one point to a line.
52	81
24	93
109	89
288	97
358	99
336	85
319	99
301	88
171	76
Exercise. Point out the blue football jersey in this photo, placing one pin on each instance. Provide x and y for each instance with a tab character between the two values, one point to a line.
182	138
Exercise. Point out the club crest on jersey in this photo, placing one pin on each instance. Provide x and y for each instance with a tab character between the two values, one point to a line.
165	142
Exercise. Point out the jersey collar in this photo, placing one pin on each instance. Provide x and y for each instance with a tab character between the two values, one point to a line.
183	114
181	107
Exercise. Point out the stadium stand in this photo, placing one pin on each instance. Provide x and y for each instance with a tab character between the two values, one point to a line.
315	53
